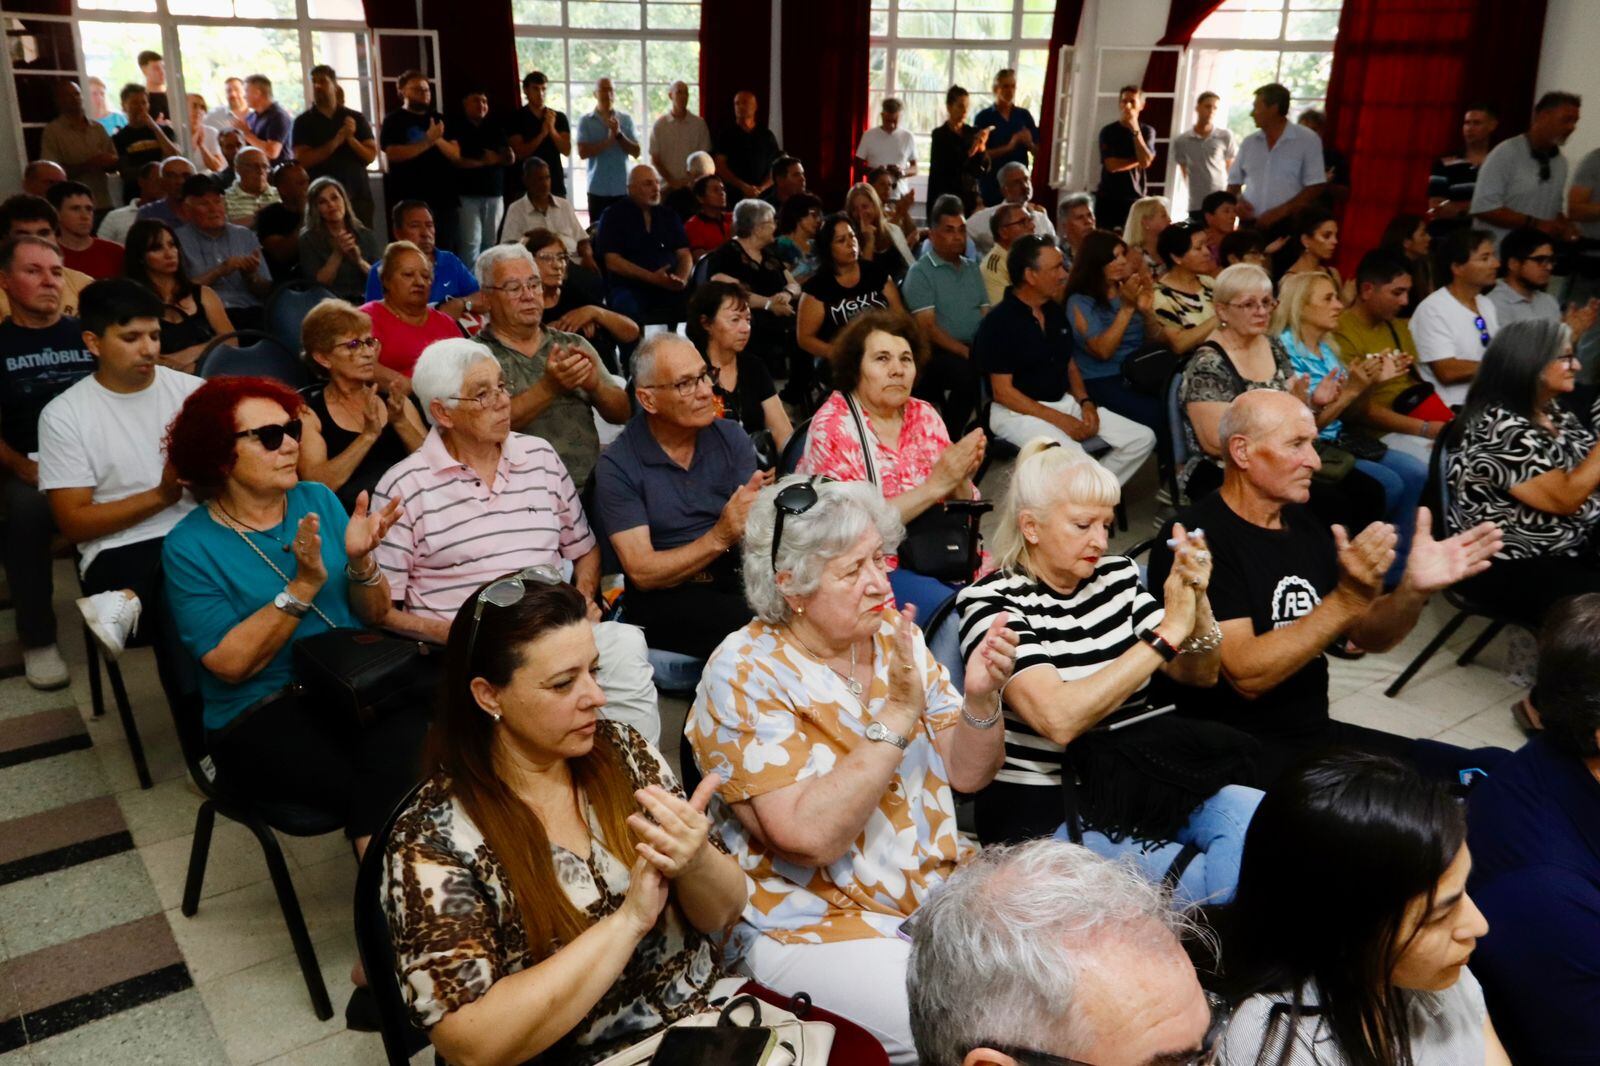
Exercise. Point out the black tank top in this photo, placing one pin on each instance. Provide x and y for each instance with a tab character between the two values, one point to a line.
188	331
386	451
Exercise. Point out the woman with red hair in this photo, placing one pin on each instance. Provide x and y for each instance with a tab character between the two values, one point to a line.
266	560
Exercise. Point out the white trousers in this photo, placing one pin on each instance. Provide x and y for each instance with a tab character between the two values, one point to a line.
1420	448
862	980
1131	443
627	679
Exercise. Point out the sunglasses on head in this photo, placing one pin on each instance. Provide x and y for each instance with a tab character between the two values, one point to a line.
271	437
1483	329
794	499
508	592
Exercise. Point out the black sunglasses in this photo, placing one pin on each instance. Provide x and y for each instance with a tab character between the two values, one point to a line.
271	437
508	592
1483	329
1205	1055
794	499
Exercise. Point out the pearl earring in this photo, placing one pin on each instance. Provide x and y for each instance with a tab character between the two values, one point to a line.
496	716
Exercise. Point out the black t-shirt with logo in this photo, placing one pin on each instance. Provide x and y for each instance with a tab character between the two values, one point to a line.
36	366
1272	577
842	303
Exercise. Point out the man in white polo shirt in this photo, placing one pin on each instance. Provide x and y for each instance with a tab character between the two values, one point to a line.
887	145
1279	168
1453	325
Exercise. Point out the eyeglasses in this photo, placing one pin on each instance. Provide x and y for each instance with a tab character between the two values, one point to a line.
1571	359
1483	329
359	344
1023	221
794	499
686	387
550	259
516	288
1266	304
1542	260
508	592
271	437
1206	1055
484	399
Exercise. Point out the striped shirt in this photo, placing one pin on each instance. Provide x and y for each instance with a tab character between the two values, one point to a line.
1076	634
455	533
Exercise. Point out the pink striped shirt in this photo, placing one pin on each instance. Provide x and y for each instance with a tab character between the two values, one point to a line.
456	533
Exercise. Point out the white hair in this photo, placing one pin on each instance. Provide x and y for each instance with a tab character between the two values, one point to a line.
843	512
700	164
1046	474
1009	169
496	254
997	954
443	366
647	354
1241	279
748	214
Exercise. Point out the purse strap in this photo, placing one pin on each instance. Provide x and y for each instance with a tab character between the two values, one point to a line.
264	558
867	456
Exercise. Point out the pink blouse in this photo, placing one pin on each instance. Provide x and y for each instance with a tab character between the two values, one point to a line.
833	448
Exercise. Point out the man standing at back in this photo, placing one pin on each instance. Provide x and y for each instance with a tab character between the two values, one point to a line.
269	126
1204	153
419	156
606	139
1013	134
481	156
1279	169
675	137
334	141
745	151
888	144
537	130
1126	152
1523	181
81	145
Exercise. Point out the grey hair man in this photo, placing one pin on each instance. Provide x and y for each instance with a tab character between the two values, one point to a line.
1008	222
1046	952
1016	186
1077	222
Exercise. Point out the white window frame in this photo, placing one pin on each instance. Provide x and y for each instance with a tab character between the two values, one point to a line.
566	33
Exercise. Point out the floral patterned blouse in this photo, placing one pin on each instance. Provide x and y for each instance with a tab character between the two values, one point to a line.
768	714
833	447
1210	377
457	930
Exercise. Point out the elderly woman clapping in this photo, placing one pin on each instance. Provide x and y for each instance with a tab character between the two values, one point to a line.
1149	787
839	738
751	259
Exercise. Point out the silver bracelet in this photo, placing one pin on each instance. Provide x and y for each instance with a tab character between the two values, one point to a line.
982	723
1202	643
367	580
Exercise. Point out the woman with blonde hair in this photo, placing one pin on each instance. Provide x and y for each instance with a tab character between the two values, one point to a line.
882	241
1147	218
336	250
1077	716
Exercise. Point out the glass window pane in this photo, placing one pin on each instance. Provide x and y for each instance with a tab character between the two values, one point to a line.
118	5
536	12
927	5
1311	26
1305	75
923	68
879	25
603	16
674	16
261	9
110	53
975	69
925	25
593	58
878	70
1263	25
548	56
1315	5
1036	27
670	61
984	5
346	53
212	54
983	27
343	10
1038	5
1032	63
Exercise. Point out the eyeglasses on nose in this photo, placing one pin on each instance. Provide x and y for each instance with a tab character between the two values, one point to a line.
359	344
485	398
271	437
686	387
516	288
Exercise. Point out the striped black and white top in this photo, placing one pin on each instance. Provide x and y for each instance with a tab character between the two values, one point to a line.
1077	634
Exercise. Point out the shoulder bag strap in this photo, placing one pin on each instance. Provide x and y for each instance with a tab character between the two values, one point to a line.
867	455
264	558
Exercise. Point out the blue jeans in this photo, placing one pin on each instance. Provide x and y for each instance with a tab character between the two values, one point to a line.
1216	827
924	591
480	226
1402	477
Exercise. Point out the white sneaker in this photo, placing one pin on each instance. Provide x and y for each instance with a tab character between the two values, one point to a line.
112	618
44	669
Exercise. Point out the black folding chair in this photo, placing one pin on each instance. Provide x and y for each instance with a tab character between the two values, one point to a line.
287	309
401	1039
254	354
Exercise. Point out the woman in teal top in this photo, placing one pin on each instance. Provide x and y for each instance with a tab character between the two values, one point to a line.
266	561
1111	309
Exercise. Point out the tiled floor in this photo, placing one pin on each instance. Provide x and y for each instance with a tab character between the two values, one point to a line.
97	965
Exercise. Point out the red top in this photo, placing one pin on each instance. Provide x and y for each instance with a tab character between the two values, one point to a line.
402	342
707	236
101	260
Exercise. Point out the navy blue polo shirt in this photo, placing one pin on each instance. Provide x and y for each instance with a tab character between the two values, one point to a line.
622	230
1009	341
1004	129
1534	829
638	485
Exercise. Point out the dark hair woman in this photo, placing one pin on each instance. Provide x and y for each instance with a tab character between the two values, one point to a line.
1407	234
844	286
191	314
720	326
1111	309
1312	249
1348	938
527	883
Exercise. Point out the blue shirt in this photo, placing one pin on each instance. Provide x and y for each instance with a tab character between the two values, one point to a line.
450	278
203	253
215	581
1315	366
1534	829
1020	119
638	485
955	292
162	211
1098	317
608	171
1273	176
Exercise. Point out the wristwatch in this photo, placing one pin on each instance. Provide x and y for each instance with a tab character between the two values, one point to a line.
290	604
881	732
1161	644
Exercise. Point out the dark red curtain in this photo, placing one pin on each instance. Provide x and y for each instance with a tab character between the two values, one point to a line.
1161	72
1402	72
482	57
1063	32
735	55
824	70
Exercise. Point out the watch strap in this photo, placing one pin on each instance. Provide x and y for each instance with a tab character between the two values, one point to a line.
1162	645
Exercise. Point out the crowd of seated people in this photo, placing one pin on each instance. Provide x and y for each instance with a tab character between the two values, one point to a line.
510	450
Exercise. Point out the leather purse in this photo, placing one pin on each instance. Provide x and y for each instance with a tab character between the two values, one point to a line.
363	675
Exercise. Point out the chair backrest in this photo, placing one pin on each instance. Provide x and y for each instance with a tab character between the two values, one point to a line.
943	634
792	451
257	354
401	1039
288	307
180	683
1180	448
701	273
1439	474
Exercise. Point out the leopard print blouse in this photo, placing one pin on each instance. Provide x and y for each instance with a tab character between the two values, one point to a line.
456	928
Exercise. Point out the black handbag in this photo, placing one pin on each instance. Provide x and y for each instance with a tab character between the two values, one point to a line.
363	675
1148	370
942	541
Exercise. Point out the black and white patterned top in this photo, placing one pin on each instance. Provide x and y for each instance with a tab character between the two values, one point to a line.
457	929
1210	377
1502	449
1077	634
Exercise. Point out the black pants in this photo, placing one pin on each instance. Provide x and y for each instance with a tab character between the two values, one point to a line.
285	752
30	571
950	383
690	619
1433	759
1011	814
1524	590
